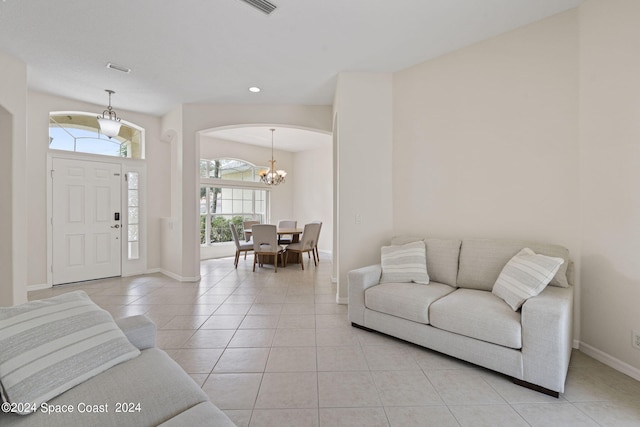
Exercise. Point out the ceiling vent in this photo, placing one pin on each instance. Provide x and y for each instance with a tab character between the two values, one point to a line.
117	67
262	5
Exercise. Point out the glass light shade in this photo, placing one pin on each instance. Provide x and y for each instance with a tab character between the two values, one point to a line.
109	127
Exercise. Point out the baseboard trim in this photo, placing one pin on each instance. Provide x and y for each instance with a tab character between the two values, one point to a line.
179	278
610	361
31	288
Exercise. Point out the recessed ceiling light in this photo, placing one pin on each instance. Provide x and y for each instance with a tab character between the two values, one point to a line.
254	89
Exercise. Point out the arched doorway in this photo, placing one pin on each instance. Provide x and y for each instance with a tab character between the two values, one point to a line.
306	155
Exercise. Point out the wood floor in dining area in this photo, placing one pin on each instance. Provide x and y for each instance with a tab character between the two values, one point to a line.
274	349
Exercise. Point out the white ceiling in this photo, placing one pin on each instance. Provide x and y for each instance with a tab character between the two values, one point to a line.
211	51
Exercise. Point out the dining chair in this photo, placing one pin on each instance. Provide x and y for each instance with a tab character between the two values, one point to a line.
306	244
286	239
265	242
316	254
246	228
240	247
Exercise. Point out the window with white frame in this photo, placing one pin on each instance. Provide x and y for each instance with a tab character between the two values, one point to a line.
229	193
133	212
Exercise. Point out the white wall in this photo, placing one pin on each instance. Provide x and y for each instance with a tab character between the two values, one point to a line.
610	177
485	138
363	105
157	155
6	216
13	183
313	191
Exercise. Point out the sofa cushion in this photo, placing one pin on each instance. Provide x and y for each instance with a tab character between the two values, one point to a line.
477	314
409	301
139	330
404	263
442	257
49	346
442	260
525	276
482	260
153	380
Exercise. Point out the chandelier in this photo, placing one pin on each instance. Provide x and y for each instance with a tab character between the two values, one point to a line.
272	176
109	122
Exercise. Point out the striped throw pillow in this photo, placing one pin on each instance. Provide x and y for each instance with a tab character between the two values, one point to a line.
404	263
525	276
51	345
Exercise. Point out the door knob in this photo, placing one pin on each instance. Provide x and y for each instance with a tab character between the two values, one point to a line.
115	226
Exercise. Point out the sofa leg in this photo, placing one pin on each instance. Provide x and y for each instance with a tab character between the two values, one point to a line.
536	388
364	328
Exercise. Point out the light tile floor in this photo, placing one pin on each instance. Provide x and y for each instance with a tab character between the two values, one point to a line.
274	349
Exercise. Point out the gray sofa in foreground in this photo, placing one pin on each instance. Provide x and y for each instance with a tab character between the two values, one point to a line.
150	389
456	313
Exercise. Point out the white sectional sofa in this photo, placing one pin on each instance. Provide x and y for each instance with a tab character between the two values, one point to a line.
147	389
456	313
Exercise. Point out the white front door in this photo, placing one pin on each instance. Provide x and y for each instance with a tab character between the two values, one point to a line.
86	220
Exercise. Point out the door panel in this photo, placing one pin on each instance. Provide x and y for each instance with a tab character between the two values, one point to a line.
86	238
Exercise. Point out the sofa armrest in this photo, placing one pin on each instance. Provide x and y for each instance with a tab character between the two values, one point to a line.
360	280
140	330
547	326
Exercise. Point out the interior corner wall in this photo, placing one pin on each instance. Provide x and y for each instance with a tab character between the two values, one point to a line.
486	140
13	187
610	179
363	105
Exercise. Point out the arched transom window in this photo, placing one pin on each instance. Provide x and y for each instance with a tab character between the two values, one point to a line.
79	132
230	169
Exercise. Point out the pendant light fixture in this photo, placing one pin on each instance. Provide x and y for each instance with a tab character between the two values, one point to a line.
272	176
109	122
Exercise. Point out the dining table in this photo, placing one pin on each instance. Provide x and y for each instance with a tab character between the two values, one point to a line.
295	232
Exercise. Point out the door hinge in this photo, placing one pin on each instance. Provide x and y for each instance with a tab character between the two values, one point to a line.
52	268
126	177
52	171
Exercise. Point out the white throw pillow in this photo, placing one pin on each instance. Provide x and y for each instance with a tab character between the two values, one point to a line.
404	263
48	346
525	276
